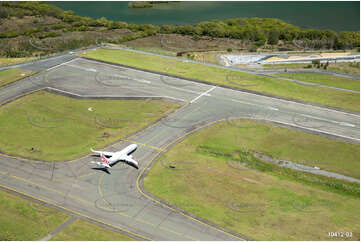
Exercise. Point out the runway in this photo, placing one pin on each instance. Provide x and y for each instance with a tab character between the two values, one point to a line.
119	199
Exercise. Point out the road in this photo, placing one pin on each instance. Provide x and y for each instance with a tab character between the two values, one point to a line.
119	199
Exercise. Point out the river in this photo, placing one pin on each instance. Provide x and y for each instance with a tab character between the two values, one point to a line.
337	16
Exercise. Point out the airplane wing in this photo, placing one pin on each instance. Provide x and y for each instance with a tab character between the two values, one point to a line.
128	159
107	154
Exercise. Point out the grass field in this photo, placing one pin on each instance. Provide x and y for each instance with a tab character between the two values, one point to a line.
217	179
325	79
274	86
22	220
341	67
284	66
53	127
154	50
345	67
210	57
12	75
13	61
81	230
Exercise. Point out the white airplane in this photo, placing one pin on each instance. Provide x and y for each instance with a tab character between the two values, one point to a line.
109	159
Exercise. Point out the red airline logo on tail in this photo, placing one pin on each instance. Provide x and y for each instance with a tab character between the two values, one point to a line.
104	160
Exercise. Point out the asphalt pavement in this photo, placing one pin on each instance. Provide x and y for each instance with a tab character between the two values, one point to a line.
118	198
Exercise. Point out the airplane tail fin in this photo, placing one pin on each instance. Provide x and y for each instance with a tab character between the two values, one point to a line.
105	161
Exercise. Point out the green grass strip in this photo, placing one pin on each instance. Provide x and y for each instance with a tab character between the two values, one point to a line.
325	79
12	75
216	177
47	126
81	230
21	219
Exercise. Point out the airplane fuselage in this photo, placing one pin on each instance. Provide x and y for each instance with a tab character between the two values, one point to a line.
108	159
127	151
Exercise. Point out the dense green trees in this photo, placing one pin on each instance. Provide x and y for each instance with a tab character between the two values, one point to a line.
259	31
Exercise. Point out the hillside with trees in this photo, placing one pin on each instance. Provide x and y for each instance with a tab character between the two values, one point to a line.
38	28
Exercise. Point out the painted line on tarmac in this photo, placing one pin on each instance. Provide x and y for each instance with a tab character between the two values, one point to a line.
49	189
58	90
111	96
204	93
145	222
253	104
182	89
20	95
51	68
317	130
73	212
14	157
136	70
170	231
100	192
228	88
304	104
65	178
82	68
305	115
69	195
329	120
190	238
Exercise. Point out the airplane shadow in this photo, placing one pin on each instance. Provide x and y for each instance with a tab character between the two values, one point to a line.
101	169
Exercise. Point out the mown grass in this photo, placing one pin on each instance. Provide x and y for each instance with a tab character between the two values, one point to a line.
53	127
81	230
217	179
284	66
273	141
345	67
274	86
22	220
12	75
341	67
155	50
325	79
13	61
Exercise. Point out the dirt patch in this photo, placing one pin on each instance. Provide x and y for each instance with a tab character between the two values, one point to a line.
181	43
27	22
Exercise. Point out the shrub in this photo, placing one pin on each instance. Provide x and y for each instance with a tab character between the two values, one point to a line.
273	37
3	13
316	62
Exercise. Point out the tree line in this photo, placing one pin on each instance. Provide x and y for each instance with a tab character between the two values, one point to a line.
260	31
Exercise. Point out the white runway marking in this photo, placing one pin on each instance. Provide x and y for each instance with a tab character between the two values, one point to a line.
254	104
138	80
144	81
83	68
317	130
202	94
114	96
328	120
51	88
305	115
61	64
